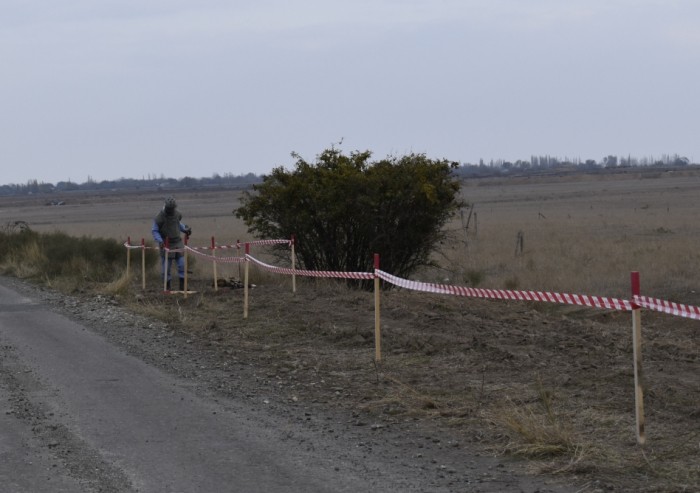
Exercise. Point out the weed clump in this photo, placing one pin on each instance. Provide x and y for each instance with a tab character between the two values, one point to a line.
537	431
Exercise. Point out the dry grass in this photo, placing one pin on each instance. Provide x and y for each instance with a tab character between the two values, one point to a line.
536	430
584	237
120	286
25	264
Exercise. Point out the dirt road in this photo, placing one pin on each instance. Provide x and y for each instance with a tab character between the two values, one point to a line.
79	414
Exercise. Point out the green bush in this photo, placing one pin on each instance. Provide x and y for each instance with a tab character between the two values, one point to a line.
343	209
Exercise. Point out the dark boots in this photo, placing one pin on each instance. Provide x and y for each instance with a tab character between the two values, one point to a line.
182	285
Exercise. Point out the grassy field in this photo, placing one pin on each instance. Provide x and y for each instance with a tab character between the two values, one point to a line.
549	383
580	234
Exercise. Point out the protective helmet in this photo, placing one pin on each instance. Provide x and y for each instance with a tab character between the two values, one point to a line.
170	205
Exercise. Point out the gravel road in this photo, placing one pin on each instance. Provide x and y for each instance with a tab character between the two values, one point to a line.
96	399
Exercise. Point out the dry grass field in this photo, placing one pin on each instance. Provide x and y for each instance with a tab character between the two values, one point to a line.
581	234
551	384
585	234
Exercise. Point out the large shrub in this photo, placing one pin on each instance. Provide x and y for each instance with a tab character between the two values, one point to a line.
344	208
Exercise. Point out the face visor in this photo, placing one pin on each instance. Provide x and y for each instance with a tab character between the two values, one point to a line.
170	206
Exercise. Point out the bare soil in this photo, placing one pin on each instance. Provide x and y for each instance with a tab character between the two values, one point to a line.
549	393
552	385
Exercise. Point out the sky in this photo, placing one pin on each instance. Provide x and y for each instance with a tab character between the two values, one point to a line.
108	89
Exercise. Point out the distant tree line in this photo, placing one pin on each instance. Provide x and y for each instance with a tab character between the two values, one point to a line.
498	167
543	164
147	183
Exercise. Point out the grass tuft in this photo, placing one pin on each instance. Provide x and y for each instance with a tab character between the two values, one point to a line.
119	286
536	431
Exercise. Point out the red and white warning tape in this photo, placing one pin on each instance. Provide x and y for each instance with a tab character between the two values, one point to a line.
129	246
506	294
668	307
174	250
268	242
312	273
240	246
225	260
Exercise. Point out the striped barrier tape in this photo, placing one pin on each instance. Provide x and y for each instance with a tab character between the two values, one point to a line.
654	304
129	246
312	273
268	242
668	307
205	248
237	246
173	250
212	258
506	294
217	247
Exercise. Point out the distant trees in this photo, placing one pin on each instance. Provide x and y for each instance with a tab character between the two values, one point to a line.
344	208
536	164
547	163
152	182
610	161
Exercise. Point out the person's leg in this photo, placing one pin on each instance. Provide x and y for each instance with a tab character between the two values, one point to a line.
165	267
181	270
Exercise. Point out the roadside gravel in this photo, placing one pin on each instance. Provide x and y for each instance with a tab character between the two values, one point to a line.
409	454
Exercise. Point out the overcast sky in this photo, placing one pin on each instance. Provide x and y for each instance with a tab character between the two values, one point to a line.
132	88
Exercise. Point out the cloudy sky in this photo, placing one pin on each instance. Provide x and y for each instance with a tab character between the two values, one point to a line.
104	89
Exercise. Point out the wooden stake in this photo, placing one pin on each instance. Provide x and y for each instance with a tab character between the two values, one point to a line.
294	277
213	253
637	355
128	255
377	315
238	252
185	254
245	282
166	267
143	264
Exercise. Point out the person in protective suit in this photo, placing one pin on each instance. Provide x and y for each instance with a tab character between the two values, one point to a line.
168	225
